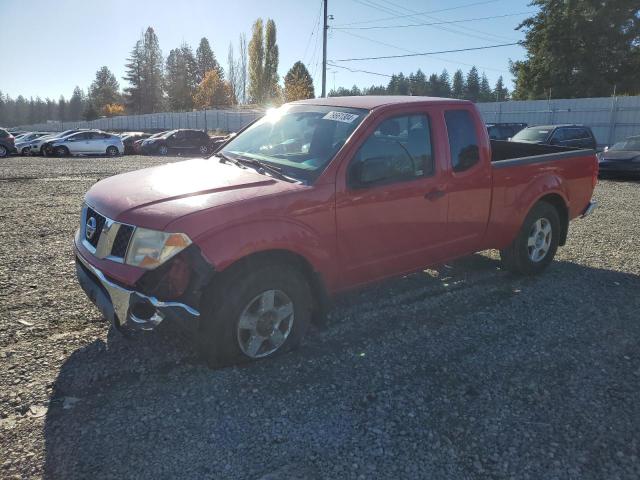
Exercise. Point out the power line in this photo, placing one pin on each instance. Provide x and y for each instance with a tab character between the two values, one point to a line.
426	53
315	26
420	13
413	51
377	6
355	70
432	23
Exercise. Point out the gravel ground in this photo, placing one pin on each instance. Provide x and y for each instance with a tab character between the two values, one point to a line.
463	371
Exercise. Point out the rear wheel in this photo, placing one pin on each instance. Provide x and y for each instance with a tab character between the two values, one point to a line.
61	151
261	313
112	151
3	151
536	243
26	151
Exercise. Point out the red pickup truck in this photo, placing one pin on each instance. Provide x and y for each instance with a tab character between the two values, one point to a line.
315	198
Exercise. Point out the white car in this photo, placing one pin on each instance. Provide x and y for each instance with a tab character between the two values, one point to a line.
86	143
37	144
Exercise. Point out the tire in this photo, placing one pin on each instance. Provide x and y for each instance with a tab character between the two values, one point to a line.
25	152
61	151
112	151
163	150
203	149
3	151
224	340
537	242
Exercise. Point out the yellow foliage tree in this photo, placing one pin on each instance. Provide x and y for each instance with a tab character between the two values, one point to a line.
213	91
113	109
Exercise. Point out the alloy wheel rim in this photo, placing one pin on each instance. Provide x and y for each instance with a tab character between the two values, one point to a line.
203	149
265	323
163	150
539	240
3	151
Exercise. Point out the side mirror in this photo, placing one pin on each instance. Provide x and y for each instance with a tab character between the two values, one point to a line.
606	149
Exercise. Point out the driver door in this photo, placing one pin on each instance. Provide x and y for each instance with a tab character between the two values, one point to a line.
391	217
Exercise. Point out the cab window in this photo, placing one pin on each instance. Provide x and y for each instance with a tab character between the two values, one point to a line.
398	150
463	141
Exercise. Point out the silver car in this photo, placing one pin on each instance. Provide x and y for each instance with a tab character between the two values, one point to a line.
87	143
36	145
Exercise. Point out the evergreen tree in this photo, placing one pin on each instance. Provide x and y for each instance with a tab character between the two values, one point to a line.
62	109
458	86
472	90
418	83
21	111
144	74
181	75
398	85
433	89
486	95
500	92
256	63
298	83
105	89
90	111
580	48
76	104
134	75
206	60
445	84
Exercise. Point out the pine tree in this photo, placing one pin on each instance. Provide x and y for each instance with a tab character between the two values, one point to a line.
152	78
458	86
500	92
135	93
298	84
472	90
418	83
62	109
206	60
486	95
76	104
256	64
433	89
105	89
181	75
445	84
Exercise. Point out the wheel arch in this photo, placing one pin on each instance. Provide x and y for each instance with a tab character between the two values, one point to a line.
558	202
319	291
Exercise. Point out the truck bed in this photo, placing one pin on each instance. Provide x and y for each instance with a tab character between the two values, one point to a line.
504	154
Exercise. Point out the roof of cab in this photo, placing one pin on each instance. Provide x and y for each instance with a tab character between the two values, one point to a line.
373	101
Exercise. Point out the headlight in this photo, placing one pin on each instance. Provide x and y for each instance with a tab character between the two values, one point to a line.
150	248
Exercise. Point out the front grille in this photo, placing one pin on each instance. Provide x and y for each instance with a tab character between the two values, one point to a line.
100	220
121	242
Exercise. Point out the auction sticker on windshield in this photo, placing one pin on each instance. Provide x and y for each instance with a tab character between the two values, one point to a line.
340	117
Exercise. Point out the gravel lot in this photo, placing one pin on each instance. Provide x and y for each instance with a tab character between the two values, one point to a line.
463	371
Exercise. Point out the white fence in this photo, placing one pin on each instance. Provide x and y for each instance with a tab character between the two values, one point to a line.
225	120
611	118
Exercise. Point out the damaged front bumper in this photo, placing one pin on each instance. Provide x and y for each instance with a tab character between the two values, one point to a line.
129	309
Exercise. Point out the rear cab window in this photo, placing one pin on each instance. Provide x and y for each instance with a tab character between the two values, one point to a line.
463	140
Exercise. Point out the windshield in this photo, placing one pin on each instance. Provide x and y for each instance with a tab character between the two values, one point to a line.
531	135
628	144
300	140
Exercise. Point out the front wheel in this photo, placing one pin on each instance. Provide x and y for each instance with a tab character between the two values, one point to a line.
163	150
256	314
26	151
204	149
537	242
3	151
61	151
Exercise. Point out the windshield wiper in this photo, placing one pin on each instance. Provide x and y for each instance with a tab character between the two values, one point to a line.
258	165
224	158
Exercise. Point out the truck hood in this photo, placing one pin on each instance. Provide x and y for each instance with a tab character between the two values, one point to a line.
156	196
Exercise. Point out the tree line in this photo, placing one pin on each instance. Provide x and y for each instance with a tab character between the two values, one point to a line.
472	86
182	81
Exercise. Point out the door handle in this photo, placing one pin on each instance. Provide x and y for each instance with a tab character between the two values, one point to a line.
434	194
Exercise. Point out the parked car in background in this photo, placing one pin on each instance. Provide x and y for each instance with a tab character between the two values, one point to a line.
130	138
574	136
92	142
137	144
621	159
37	145
7	143
183	141
504	131
319	197
23	142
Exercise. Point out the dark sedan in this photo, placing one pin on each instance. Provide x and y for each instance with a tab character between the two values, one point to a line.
184	141
621	159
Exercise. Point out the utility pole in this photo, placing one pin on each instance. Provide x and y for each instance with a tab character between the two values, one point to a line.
324	52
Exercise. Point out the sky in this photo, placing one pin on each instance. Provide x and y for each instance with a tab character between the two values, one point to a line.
50	46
